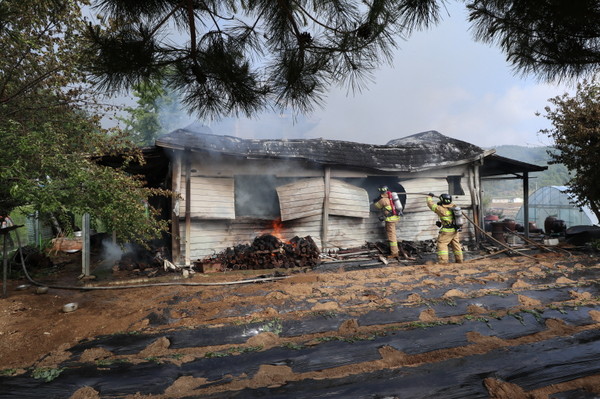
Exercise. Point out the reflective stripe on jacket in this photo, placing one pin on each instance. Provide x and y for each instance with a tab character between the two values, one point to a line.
445	214
385	205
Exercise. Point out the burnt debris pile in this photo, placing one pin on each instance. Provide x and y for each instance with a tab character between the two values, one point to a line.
265	252
139	260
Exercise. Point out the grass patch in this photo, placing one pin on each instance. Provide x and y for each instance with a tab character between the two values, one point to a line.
110	362
476	318
518	317
495	316
536	313
275	326
450	302
559	309
328	314
440	301
498	293
47	374
126	333
421	324
479	318
234	351
293	346
352	339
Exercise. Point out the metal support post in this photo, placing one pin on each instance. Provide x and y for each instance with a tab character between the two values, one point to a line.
85	249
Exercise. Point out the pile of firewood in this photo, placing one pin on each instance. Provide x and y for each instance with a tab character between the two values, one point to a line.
265	252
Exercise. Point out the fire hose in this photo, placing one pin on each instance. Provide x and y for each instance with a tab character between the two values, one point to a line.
120	287
493	239
415	194
507	248
537	244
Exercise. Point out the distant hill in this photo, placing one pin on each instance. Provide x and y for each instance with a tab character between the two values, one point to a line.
556	175
534	155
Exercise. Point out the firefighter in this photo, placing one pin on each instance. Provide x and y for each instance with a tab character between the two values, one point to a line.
390	215
448	230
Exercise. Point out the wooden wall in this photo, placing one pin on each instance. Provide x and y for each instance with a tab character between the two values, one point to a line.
212	236
418	222
214	225
305	198
213	198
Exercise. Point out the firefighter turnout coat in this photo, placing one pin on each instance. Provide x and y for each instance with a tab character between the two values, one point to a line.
448	234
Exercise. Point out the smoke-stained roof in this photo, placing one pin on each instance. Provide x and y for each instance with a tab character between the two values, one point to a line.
417	152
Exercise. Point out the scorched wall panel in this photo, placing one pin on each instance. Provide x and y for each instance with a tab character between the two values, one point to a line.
348	200
212	236
305	198
211	198
301	199
347	232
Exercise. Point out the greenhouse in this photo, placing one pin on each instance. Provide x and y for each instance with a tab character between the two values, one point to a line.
555	201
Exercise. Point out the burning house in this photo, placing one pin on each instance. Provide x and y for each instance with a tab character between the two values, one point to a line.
233	190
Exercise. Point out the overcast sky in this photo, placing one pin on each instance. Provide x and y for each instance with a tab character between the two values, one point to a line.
441	79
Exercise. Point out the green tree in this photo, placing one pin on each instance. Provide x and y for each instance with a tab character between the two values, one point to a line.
143	125
576	132
157	111
49	140
547	38
242	56
38	43
556	175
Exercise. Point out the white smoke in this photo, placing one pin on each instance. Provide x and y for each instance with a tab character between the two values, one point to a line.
111	254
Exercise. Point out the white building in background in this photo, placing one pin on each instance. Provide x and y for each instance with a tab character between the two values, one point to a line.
512	200
555	201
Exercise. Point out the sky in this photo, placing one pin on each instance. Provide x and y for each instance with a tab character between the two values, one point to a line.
441	79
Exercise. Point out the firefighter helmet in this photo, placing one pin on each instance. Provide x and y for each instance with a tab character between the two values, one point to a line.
446	199
383	189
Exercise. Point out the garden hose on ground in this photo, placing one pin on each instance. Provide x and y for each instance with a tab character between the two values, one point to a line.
120	287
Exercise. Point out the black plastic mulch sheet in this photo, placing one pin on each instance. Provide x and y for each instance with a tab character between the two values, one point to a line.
530	366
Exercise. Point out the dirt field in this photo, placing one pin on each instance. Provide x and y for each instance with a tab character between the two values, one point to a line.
504	327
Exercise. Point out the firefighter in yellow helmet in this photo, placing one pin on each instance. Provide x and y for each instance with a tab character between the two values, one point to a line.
448	234
391	216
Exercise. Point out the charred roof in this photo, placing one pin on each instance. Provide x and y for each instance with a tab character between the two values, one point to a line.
420	151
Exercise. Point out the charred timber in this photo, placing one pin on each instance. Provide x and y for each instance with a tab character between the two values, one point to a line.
266	252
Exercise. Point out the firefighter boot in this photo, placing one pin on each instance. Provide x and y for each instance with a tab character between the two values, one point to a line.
393	250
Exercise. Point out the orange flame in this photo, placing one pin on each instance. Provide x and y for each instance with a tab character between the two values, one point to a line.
276	227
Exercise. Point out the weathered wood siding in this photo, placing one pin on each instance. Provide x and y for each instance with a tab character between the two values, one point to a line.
301	199
212	236
212	198
352	219
345	232
418	222
305	198
348	200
